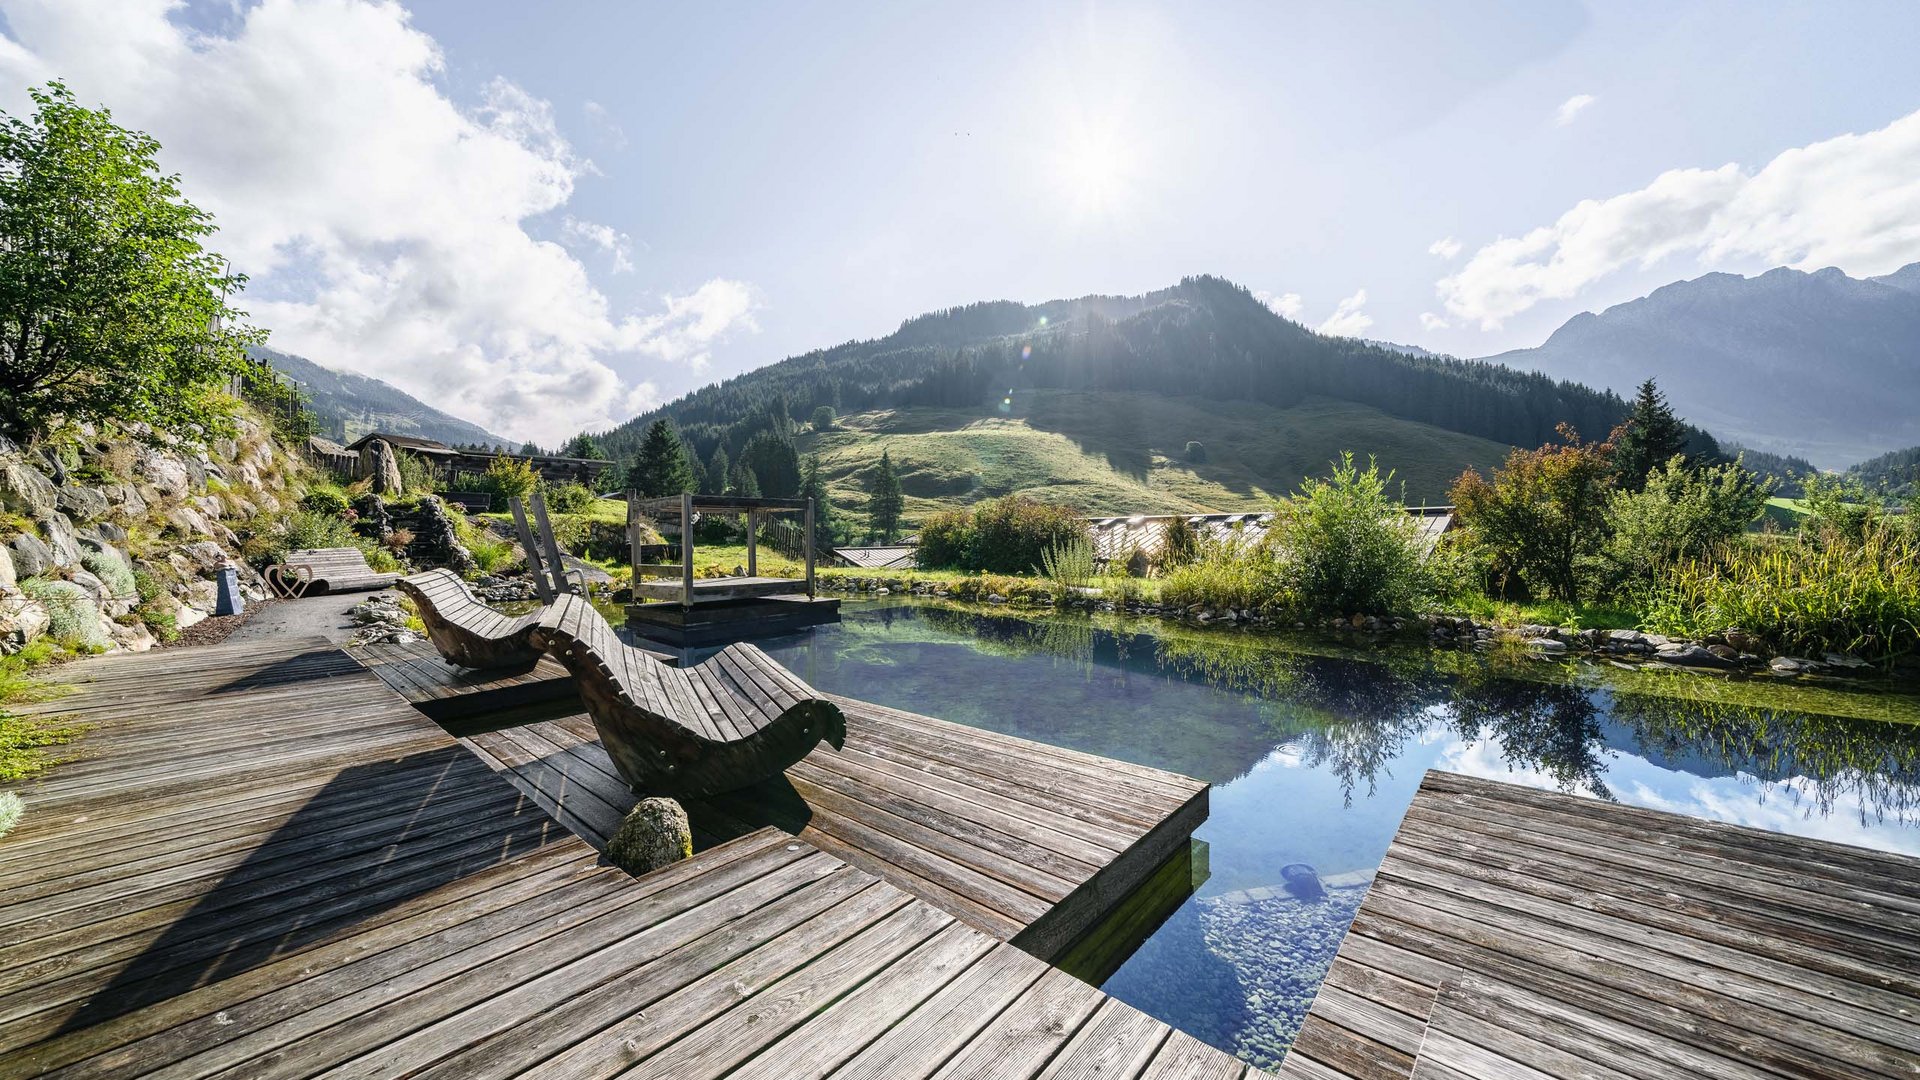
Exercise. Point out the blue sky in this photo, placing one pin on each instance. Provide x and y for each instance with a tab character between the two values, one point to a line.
549	216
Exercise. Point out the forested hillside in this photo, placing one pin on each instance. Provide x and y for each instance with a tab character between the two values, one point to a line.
349	406
1897	472
1204	340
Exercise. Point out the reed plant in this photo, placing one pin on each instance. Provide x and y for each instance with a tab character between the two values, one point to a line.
1853	594
1068	564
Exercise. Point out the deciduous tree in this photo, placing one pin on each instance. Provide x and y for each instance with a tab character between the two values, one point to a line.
111	308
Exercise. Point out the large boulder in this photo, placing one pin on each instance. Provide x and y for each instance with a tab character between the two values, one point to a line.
435	536
385	468
654	834
21	620
62	538
30	555
84	503
165	472
26	490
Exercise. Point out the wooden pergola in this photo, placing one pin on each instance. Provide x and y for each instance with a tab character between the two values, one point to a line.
687	508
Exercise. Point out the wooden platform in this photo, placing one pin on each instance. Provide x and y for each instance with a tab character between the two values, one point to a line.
269	865
447	693
1030	843
1514	933
671	624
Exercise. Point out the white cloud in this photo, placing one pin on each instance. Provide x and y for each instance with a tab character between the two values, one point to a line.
605	237
1571	108
1348	320
1852	201
1286	305
1446	247
384	225
1430	321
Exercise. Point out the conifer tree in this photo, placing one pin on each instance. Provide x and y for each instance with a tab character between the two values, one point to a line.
814	486
719	467
743	482
661	468
883	511
1649	438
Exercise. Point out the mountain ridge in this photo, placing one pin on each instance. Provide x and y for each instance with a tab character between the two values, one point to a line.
349	405
1816	364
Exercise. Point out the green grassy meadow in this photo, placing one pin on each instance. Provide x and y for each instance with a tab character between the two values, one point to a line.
1125	453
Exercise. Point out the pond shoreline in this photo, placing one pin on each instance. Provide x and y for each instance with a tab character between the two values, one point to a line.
1730	655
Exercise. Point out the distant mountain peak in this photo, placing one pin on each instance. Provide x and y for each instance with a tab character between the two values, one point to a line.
1815	363
350	405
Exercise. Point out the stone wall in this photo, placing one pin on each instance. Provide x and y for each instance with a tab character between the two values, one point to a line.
104	513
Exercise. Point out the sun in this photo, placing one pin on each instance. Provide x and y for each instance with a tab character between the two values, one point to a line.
1094	169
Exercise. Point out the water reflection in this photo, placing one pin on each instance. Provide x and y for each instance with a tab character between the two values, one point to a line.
1316	757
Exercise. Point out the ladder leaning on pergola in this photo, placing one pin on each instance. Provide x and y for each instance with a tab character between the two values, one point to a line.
687	507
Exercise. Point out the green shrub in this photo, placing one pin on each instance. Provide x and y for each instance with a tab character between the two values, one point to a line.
507	478
1197	452
72	618
1544	512
1009	535
1841	594
1346	546
1680	514
1228	573
111	567
824	418
569	498
304	529
490	555
417	474
1182	543
330	501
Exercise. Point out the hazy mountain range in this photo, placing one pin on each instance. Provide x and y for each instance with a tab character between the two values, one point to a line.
1819	364
350	405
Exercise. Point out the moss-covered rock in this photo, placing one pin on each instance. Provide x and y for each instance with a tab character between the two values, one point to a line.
655	834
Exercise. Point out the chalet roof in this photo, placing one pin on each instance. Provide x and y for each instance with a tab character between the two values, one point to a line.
402	442
1114	537
886	557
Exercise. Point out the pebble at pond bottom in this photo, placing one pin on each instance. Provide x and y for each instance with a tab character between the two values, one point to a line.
1243	971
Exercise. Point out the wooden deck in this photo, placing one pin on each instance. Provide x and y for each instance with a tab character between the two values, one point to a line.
447	693
266	864
1514	933
1030	843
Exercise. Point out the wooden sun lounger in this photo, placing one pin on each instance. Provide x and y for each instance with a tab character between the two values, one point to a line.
466	631
729	721
326	570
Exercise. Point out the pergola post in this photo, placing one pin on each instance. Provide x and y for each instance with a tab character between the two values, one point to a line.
753	543
686	549
809	527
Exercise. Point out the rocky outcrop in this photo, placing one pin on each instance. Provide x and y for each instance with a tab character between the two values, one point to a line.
108	542
434	537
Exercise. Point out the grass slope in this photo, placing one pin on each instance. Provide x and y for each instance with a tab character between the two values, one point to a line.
1125	453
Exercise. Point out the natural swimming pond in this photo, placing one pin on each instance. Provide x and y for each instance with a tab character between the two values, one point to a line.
1315	756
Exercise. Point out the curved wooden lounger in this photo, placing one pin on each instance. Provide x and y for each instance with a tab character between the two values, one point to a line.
326	570
466	631
731	720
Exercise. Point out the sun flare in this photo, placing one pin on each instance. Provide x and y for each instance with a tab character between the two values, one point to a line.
1094	170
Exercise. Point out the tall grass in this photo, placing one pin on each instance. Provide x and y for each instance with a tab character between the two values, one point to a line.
1229	573
1068	564
1857	595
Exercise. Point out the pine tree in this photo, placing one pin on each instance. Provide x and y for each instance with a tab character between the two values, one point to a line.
814	486
1649	438
775	463
714	479
883	511
661	467
583	445
744	484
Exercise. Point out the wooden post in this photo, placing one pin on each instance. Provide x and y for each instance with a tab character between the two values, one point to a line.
686	549
808	525
541	588
753	543
633	536
556	566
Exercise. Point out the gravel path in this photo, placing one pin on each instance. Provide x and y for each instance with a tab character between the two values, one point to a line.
280	619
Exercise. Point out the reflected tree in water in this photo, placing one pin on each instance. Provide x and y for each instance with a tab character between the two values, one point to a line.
1554	728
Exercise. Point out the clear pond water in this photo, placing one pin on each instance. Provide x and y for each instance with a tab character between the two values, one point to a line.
1314	759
